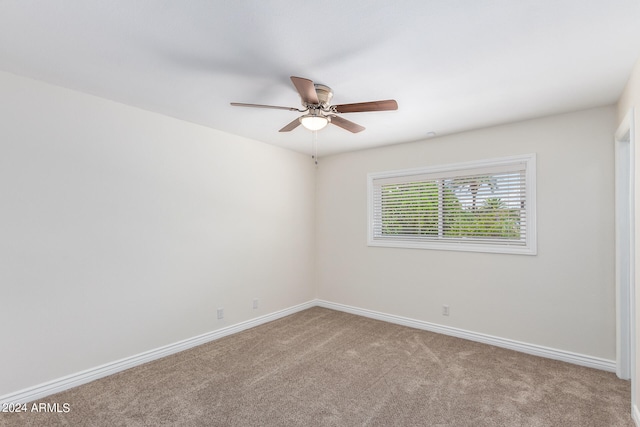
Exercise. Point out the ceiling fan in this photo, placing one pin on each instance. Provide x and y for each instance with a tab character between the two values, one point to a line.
316	100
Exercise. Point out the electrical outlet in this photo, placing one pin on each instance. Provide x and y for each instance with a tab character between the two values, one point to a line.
445	310
255	303
221	313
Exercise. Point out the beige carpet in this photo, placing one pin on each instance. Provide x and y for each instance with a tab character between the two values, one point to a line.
325	368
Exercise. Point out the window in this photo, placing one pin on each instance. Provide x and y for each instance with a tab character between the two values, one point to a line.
484	206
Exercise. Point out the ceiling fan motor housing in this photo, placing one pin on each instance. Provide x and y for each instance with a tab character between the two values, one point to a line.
324	94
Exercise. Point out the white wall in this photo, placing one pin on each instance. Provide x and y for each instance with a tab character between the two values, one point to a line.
631	99
123	230
563	298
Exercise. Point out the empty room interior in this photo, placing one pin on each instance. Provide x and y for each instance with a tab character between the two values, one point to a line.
470	197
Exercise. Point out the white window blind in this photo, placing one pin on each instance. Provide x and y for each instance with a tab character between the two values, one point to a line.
479	206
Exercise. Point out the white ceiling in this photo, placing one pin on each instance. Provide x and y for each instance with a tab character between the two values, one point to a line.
452	65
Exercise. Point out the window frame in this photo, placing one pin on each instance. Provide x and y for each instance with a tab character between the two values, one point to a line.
506	247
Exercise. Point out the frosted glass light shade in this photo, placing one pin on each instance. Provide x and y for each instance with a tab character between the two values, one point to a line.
314	122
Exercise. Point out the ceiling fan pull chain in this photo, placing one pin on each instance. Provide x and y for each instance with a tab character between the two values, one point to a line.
314	147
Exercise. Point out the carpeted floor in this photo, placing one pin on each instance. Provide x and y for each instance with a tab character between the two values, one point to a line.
320	367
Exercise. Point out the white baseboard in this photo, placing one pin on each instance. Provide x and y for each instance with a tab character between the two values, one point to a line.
550	353
46	389
635	414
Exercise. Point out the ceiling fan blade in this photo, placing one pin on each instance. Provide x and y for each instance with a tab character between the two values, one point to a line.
346	124
306	89
240	104
359	107
291	126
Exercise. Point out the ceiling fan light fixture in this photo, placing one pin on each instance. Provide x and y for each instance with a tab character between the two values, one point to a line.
314	122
